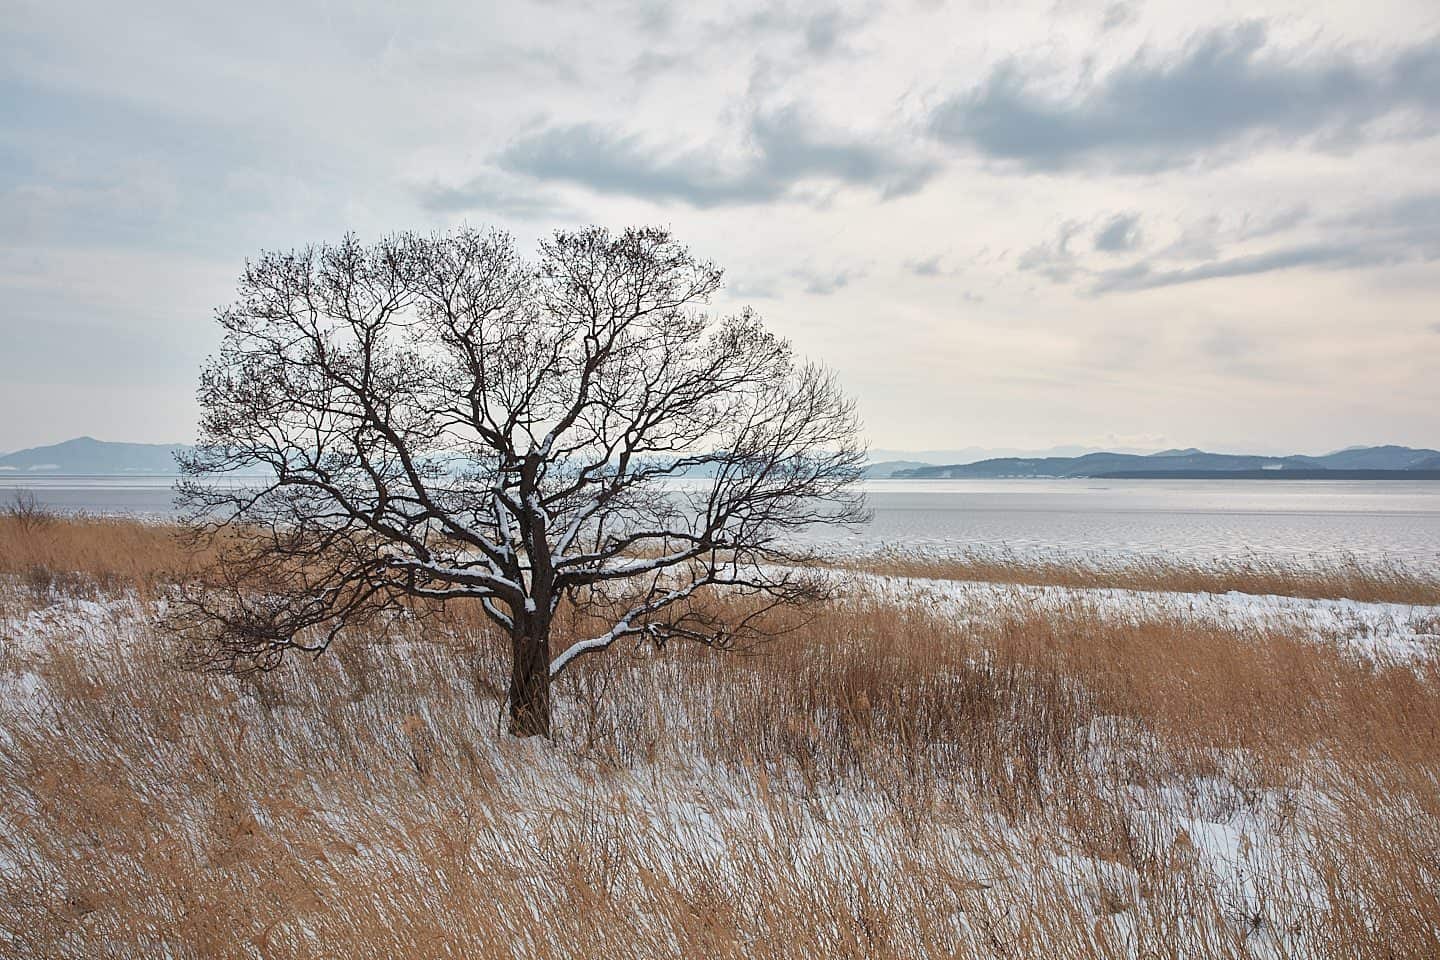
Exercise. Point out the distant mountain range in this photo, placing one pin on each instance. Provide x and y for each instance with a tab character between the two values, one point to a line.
88	456
975	454
1188	462
889	468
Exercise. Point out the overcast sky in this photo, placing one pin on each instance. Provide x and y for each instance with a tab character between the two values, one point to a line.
1135	224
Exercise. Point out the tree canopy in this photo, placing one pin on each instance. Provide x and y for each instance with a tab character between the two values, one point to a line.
438	418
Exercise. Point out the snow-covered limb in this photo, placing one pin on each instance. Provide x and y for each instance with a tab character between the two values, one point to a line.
499	616
781	585
592	645
493	584
572	530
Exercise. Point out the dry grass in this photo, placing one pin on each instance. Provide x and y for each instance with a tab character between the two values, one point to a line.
1322	579
78	553
886	782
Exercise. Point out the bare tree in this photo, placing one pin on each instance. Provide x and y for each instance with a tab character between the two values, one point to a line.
27	512
438	418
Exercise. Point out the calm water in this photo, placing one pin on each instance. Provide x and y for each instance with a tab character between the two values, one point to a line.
1192	519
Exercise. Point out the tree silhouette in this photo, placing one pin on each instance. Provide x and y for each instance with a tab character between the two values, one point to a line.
438	418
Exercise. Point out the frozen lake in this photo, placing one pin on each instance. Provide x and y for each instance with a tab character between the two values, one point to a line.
1190	519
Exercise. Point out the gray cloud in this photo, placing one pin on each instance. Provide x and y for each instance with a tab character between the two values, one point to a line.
783	39
1144	276
1119	234
928	267
1119	15
826	32
821	281
823	32
1203	239
1054	259
824	283
785	151
938	265
1223	88
1411	223
655	16
1403	231
485	193
652	63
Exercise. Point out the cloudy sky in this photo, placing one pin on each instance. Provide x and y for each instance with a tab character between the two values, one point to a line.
1125	223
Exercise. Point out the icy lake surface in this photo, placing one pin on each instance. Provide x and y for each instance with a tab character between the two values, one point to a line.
1187	519
1201	520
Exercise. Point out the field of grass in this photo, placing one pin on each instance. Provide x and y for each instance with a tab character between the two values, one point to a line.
900	776
1344	577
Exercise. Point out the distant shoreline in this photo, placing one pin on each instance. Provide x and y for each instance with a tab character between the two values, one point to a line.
1267	475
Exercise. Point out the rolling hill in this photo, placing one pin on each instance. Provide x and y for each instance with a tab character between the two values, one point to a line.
1191	461
88	456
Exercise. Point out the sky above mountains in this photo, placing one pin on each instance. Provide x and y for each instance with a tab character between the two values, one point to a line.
1114	224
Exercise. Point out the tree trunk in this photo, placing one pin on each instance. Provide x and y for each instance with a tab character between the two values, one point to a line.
530	678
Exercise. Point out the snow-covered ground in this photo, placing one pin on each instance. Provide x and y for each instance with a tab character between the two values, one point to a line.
1393	629
693	819
1390	631
1384	631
